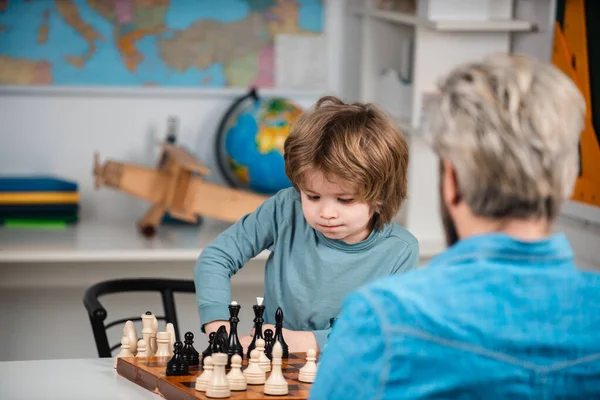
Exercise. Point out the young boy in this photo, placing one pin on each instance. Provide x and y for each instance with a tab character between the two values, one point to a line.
328	234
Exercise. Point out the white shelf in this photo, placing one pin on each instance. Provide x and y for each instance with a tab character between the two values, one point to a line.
90	241
108	242
151	92
446	26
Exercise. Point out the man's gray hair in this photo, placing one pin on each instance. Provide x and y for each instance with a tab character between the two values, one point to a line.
510	126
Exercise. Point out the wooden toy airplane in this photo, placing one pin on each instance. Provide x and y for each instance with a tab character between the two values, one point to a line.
176	186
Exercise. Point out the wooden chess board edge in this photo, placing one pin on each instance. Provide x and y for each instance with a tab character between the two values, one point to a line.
143	373
139	376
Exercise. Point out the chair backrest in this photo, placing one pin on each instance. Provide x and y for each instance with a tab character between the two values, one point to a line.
97	313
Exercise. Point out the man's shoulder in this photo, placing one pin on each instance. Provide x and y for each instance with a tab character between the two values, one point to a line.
399	298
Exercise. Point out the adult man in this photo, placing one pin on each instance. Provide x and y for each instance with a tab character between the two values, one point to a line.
504	312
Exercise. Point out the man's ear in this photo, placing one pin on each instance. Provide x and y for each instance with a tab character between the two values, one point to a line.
450	189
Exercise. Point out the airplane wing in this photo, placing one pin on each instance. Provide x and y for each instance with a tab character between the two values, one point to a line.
184	159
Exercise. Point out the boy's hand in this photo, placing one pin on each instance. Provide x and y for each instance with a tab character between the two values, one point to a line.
215	325
297	341
245	342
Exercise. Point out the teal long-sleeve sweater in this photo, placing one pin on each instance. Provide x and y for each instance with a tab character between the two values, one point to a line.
306	274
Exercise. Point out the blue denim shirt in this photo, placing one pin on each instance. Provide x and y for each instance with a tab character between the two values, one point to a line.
491	318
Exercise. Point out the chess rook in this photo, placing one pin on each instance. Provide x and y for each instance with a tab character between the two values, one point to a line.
162	346
279	332
259	311
234	346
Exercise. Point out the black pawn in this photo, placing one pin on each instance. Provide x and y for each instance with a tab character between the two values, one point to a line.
279	332
189	353
233	345
269	343
258	323
177	366
208	351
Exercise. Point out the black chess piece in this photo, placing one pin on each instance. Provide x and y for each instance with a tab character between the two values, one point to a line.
233	345
177	366
269	343
279	332
189	353
259	310
220	341
208	351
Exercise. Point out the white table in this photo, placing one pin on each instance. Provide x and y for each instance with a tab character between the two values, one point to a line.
67	379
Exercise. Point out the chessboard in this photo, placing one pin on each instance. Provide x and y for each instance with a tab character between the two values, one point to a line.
149	372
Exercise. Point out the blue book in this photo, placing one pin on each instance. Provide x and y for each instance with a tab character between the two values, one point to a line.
36	184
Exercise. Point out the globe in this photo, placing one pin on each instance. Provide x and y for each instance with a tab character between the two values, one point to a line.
250	142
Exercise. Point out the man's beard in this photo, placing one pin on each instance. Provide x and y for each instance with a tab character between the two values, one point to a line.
449	226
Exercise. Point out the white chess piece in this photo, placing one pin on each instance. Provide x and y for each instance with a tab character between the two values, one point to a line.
162	347
276	384
125	352
308	372
263	360
171	329
153	344
141	348
218	385
254	374
147	331
237	380
130	332
202	380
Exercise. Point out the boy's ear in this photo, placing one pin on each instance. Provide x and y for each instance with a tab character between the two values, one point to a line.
377	207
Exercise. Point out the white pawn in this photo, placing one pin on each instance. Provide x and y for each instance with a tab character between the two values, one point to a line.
202	380
163	339
125	352
218	385
237	380
308	372
276	384
254	374
263	360
141	348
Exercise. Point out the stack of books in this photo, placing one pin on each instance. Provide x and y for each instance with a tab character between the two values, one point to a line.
38	201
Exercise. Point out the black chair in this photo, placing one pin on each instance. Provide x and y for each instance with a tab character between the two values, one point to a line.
97	313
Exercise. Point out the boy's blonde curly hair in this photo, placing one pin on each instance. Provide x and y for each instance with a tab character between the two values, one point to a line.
357	143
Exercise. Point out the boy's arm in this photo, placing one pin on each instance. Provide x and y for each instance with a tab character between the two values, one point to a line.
220	260
354	364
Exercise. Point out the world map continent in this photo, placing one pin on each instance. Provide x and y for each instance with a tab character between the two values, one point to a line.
148	42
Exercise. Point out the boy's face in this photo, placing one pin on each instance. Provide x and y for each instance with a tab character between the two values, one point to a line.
330	206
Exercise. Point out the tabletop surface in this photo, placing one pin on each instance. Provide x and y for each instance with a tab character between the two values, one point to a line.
88	379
